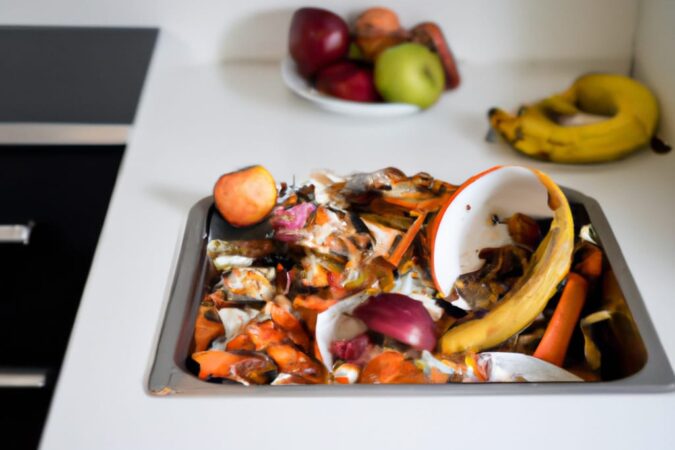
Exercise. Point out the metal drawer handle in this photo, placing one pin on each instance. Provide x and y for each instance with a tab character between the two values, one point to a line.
19	234
22	378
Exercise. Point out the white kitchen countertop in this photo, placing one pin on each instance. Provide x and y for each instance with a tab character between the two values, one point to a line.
197	122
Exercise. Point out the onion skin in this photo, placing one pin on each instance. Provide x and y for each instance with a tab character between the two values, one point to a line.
287	223
350	350
399	317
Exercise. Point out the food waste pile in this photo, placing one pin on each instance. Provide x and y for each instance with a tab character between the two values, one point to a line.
383	278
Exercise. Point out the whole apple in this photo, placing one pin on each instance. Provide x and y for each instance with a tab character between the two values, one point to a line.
347	80
316	39
409	73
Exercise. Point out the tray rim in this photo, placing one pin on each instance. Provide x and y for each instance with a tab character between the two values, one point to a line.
167	377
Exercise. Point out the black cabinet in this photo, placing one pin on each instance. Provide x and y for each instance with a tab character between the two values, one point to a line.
55	76
63	191
22	416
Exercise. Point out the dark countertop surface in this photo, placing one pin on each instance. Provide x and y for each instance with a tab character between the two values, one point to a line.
72	74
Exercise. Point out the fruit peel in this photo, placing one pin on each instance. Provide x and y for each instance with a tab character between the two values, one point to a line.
548	267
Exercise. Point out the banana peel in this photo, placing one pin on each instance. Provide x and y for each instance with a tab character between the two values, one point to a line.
548	266
630	107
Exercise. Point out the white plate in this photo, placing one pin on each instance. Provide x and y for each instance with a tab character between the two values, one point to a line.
304	89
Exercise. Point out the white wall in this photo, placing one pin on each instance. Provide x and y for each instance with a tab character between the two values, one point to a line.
655	58
478	30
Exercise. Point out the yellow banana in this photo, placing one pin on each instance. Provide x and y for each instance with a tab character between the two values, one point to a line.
632	116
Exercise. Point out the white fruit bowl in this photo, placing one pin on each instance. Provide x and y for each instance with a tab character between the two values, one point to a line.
304	89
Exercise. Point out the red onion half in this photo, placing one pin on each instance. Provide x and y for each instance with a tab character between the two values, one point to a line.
399	317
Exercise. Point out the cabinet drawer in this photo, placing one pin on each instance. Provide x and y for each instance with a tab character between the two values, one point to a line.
22	416
64	192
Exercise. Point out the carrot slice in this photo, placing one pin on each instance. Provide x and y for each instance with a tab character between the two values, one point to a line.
313	302
427	204
591	264
245	367
265	334
310	306
438	377
317	352
292	361
321	216
391	368
291	325
241	342
556	339
206	327
408	238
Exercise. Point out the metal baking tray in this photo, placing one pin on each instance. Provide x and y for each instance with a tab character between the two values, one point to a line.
641	365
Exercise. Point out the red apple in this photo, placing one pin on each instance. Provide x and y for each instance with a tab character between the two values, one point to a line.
349	81
317	38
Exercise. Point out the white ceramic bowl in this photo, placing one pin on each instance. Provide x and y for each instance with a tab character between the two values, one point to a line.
304	89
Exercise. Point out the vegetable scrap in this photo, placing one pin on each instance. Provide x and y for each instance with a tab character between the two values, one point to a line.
344	286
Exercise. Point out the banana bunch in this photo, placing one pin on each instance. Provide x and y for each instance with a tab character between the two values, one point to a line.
540	130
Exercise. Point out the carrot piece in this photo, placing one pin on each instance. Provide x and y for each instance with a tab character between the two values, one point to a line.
556	339
406	241
241	342
215	363
391	367
310	306
292	361
264	334
429	204
246	368
313	303
291	325
309	317
591	264
206	327
321	216
438	377
317	352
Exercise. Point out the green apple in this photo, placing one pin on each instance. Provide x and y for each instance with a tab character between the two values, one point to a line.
409	73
